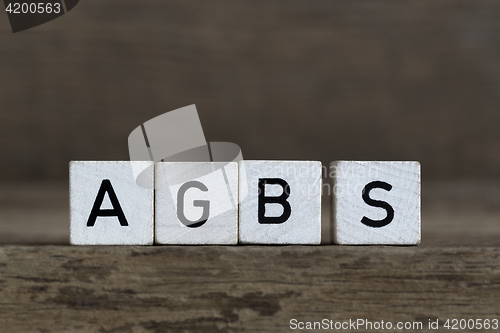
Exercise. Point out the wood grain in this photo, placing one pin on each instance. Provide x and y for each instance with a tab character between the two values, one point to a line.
240	289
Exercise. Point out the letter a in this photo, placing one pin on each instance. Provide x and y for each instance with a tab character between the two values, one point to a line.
97	211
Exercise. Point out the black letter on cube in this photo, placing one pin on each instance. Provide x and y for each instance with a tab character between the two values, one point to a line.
97	211
263	200
376	203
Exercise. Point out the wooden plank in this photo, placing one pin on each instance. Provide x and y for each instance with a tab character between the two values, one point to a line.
236	289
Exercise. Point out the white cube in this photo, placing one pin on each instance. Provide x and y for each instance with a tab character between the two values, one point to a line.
375	203
107	207
280	202
196	203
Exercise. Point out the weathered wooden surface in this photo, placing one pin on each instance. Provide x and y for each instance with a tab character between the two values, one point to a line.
240	289
244	288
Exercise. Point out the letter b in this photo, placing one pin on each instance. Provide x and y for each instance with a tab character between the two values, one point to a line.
263	200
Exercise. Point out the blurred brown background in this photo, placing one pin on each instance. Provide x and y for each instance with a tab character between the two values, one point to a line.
284	79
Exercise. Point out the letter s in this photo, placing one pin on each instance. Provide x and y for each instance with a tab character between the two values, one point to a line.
376	203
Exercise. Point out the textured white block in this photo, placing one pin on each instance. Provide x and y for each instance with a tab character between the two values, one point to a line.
375	203
295	215
196	203
114	181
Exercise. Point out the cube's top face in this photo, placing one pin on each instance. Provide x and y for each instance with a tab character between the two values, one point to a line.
376	202
373	164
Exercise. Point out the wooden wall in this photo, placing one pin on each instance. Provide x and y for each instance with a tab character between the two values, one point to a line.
285	79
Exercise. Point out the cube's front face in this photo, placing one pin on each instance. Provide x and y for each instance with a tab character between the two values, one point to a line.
107	207
282	203
196	203
376	203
